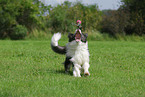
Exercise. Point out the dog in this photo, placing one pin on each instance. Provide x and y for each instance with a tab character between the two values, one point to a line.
76	51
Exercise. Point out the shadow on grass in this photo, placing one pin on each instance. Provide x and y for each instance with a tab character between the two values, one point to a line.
44	71
63	72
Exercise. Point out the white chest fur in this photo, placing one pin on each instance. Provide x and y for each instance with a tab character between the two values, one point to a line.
78	52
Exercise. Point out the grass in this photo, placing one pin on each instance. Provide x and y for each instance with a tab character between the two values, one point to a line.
31	69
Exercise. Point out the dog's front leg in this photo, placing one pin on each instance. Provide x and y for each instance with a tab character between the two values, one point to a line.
86	68
67	64
76	70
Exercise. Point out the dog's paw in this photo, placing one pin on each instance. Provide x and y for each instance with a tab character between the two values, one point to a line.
86	74
76	75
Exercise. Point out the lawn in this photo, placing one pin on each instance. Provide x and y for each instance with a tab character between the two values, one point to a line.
31	69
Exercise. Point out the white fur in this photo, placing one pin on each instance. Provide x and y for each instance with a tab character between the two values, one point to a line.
55	38
80	57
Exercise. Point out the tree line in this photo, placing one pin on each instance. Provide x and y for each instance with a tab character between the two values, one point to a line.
19	17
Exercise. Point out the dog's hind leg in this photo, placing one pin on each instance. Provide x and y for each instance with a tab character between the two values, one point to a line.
67	64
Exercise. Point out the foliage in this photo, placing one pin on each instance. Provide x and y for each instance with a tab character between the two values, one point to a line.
136	10
63	17
58	20
14	12
18	32
114	22
8	11
129	19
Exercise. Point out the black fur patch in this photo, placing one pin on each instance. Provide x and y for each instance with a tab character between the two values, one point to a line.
71	37
67	64
59	49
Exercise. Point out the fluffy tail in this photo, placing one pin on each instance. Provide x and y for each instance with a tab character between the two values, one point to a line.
54	44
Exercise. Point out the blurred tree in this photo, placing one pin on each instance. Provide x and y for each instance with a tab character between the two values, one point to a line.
136	10
8	12
22	12
114	22
127	20
63	17
58	18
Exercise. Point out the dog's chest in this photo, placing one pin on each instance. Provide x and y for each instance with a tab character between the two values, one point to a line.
78	52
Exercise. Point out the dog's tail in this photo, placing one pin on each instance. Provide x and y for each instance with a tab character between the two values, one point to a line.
54	44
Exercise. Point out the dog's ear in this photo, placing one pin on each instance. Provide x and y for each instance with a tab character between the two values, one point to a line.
86	35
70	35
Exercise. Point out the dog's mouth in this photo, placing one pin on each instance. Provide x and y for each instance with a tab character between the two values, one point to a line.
78	36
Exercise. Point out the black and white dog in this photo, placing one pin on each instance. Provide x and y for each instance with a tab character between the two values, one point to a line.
76	51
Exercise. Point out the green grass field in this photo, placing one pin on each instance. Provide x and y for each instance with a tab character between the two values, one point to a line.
31	69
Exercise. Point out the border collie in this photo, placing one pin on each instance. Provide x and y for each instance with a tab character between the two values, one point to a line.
76	51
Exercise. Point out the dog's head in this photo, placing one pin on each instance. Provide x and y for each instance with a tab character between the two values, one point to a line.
78	36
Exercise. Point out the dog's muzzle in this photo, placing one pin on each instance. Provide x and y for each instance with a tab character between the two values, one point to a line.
78	36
